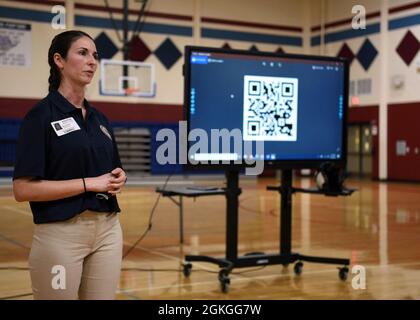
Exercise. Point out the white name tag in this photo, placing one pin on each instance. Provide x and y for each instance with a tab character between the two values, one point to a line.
65	126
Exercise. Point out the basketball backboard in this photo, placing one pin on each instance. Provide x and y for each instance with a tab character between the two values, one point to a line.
139	80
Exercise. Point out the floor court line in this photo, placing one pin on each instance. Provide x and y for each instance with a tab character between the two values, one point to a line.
10	208
17	243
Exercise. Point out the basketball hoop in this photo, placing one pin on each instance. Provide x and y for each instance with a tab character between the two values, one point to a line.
130	91
138	82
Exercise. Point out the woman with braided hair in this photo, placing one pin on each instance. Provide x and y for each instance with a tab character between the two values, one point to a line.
68	168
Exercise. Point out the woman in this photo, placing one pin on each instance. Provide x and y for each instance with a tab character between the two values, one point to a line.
68	168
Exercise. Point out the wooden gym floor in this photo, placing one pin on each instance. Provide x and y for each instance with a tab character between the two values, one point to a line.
378	227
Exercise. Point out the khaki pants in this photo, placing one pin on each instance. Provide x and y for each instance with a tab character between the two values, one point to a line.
77	258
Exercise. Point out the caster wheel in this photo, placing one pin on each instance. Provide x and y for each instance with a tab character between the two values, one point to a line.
224	287
224	280
187	269
343	273
298	268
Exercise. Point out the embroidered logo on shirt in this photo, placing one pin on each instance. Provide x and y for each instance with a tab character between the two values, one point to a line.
62	127
105	131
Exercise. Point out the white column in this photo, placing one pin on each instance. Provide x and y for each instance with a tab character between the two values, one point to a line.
383	224
305	216
322	31
69	14
306	36
197	22
383	94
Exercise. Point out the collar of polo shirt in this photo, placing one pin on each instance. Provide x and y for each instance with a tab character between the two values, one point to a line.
66	106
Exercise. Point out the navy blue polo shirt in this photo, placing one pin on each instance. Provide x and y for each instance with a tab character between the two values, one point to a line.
52	153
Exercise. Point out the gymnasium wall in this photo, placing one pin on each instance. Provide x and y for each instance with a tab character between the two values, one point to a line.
404	95
363	48
403	21
169	26
268	25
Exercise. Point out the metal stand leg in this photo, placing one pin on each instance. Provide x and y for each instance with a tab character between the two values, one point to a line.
284	257
181	220
181	217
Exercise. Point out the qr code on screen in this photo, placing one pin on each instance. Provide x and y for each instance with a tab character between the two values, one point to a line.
270	108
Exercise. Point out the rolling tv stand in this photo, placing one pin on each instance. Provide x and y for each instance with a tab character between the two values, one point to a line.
284	257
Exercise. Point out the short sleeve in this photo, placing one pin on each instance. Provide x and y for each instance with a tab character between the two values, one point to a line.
31	147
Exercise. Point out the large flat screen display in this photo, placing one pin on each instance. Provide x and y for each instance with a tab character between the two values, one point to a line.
295	105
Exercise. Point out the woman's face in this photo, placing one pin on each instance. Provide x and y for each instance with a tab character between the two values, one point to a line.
81	62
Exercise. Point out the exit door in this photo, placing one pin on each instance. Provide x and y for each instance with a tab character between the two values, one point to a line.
359	152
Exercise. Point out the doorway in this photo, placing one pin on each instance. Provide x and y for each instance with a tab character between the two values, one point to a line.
359	151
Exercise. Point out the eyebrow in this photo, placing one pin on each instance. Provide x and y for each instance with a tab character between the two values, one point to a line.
87	49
